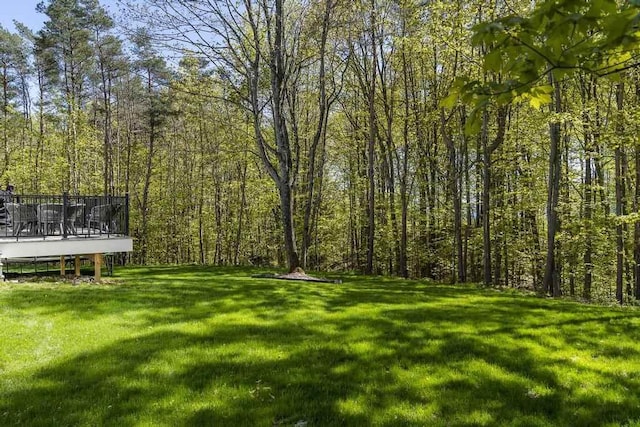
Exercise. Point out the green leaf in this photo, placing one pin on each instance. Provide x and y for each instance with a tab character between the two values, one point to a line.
474	122
614	77
540	95
493	60
599	8
451	99
537	101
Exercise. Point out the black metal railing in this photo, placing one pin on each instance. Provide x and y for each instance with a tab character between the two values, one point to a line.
63	216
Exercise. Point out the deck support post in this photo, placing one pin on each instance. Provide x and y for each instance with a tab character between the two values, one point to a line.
97	261
77	266
62	265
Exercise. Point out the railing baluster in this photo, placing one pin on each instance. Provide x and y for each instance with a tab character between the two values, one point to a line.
65	208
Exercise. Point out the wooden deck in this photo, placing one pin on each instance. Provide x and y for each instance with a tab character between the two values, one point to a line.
46	226
56	246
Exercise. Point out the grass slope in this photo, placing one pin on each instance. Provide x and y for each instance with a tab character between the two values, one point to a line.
204	346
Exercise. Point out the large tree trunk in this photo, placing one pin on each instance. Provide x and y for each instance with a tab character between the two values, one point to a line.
286	203
285	186
281	171
551	279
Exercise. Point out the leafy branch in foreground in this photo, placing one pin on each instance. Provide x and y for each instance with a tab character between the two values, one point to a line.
557	39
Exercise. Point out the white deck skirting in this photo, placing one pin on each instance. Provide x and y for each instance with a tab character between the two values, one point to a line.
57	246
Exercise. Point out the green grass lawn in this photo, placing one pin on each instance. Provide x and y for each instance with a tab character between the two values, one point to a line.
205	346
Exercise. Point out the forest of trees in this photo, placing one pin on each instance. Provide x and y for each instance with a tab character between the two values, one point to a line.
324	134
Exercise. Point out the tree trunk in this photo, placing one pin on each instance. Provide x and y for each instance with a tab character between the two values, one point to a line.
620	193
324	104
551	279
144	206
588	217
242	171
281	172
636	209
404	172
371	231
5	118
486	200
487	152
105	76
286	203
636	234
455	195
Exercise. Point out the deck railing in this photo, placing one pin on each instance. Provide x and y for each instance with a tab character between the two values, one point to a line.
62	216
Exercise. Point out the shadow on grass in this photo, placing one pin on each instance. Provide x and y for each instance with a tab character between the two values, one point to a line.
156	295
363	353
116	386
